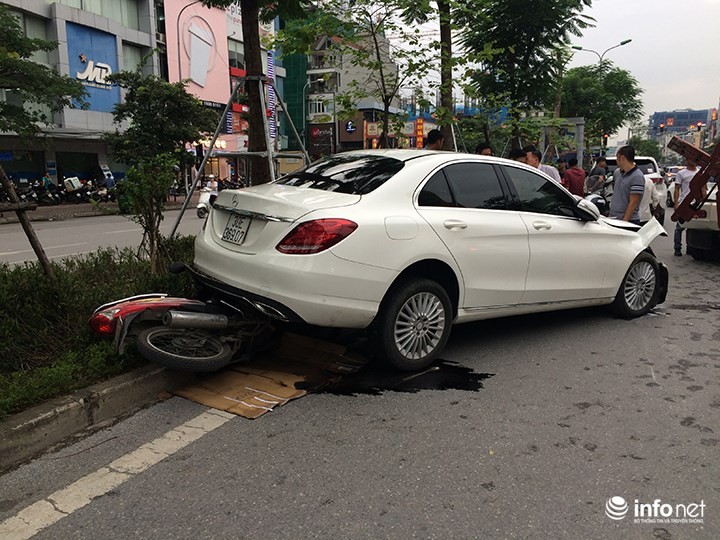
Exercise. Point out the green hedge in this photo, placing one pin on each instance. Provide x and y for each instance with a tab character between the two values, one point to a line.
46	346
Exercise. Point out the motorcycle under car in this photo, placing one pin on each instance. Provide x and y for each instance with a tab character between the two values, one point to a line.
184	333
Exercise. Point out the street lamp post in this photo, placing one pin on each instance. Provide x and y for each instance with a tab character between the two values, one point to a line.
602	56
177	25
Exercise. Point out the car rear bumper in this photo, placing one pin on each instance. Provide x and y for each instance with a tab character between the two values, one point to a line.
321	289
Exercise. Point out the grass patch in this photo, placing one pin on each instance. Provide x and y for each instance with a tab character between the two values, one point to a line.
46	346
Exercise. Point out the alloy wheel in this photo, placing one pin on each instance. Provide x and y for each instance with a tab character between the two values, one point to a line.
419	325
639	286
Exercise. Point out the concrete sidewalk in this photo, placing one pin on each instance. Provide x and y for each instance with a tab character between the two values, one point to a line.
70	211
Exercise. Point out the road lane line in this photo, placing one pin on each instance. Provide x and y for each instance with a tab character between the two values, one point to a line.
123	231
64	502
45	248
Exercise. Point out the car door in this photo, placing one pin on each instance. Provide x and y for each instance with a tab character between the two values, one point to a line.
568	256
467	207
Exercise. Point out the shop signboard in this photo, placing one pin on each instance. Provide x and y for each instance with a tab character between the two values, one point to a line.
92	58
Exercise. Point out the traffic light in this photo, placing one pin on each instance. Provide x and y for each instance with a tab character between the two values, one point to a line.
662	128
604	139
699	126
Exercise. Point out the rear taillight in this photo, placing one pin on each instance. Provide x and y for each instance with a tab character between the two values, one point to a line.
316	236
104	322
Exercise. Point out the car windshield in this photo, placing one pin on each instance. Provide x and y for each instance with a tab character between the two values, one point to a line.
647	166
354	174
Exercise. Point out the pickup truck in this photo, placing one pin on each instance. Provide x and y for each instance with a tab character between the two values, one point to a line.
703	233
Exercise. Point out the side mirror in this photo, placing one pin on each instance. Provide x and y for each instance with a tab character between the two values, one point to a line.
587	211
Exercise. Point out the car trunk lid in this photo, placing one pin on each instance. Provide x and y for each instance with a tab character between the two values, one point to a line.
254	219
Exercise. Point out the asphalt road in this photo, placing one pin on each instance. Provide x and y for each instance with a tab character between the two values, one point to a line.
528	428
84	235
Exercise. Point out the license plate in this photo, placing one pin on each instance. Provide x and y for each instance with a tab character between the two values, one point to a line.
236	229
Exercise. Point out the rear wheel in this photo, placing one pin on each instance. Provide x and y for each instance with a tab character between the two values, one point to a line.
181	348
639	289
414	323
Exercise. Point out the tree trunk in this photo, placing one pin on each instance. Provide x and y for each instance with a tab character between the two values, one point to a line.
446	85
385	136
250	12
28	228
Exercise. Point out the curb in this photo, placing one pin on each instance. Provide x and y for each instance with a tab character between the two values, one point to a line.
27	434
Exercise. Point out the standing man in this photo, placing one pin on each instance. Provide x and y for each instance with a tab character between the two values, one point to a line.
629	187
596	178
434	140
517	154
574	178
682	188
484	149
534	157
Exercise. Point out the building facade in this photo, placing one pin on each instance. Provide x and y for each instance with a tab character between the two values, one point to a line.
200	45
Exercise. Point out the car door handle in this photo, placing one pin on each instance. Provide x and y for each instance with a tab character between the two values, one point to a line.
542	225
454	224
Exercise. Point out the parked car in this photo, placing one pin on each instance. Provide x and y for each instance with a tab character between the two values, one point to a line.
407	243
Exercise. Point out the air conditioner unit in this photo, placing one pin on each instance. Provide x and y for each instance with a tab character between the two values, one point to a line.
159	37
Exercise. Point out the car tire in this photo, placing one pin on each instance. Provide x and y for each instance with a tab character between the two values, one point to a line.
183	348
705	255
414	322
639	288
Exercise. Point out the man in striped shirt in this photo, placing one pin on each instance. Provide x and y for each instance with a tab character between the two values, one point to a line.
629	187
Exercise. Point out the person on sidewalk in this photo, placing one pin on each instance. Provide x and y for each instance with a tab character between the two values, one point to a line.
574	178
534	158
484	149
629	187
435	140
682	189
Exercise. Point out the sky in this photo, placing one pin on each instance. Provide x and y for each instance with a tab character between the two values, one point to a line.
674	53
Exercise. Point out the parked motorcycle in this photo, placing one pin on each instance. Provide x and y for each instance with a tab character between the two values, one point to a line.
184	333
207	197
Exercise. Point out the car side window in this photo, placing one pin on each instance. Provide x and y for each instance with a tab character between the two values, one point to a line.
538	194
436	192
476	185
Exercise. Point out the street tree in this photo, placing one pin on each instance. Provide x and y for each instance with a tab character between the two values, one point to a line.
605	95
517	46
252	13
360	37
445	13
163	117
35	92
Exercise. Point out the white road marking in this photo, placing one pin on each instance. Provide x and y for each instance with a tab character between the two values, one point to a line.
64	502
45	248
123	231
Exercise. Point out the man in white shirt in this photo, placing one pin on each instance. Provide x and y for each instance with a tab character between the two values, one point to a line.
533	159
682	188
648	202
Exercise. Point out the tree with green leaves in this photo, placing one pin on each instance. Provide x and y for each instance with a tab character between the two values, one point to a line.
447	13
35	92
606	96
516	45
252	12
163	117
362	42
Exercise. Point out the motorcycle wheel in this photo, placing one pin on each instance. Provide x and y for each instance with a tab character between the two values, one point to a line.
202	213
182	348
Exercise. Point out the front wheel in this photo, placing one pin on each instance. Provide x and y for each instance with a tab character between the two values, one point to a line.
639	289
202	212
414	323
182	348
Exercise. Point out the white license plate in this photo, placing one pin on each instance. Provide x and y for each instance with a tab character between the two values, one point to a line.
236	229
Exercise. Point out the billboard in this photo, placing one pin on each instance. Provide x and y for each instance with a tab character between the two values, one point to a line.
197	39
92	57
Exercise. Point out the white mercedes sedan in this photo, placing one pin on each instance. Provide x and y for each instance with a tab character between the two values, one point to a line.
407	243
